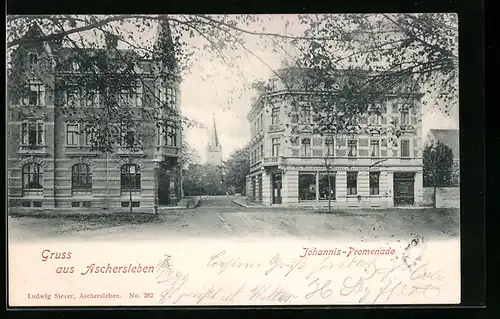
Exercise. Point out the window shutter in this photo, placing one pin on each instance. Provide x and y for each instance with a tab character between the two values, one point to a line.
139	94
42	95
24	133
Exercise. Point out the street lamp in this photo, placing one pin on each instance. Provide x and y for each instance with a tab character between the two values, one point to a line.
157	162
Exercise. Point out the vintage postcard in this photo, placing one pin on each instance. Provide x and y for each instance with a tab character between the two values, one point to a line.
214	160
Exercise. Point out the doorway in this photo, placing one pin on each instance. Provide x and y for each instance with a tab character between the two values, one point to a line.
164	187
404	188
277	185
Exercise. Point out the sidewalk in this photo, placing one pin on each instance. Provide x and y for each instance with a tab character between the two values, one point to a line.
244	202
184	203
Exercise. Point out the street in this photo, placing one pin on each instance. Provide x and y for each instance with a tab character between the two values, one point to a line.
218	216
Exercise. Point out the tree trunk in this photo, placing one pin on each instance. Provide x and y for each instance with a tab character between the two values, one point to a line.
434	193
130	191
329	191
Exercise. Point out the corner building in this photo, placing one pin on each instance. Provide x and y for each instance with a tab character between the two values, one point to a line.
368	169
51	165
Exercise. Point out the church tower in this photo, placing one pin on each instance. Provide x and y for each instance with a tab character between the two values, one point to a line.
214	150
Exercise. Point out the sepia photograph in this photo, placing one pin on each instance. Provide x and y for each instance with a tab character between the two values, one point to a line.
247	142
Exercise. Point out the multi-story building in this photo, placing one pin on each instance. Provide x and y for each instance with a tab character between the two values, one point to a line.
293	165
52	160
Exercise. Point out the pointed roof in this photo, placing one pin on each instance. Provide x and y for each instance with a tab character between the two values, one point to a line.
214	138
164	47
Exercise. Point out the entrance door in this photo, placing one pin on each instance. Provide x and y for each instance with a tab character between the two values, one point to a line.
253	188
404	188
276	181
163	187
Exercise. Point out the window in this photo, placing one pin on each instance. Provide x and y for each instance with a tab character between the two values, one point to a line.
127	139
162	95
32	133
91	98
171	97
294	115
306	147
307	186
33	58
274	84
352	183
405	148
81	177
35	95
374	119
327	186
72	134
89	135
126	98
261	150
261	121
276	147
305	114
74	97
130	177
32	176
374	183
275	115
405	117
171	135
374	148
353	148
330	146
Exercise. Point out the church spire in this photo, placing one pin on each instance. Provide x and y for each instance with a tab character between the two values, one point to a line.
214	149
214	140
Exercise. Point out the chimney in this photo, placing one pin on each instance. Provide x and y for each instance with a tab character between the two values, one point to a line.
111	41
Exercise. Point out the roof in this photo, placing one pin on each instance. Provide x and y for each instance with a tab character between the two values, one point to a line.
450	138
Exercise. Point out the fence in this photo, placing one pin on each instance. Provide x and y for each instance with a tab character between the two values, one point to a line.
446	197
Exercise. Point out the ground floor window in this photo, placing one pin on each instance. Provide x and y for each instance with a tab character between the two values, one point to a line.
259	187
130	177
307	186
374	183
352	183
253	188
326	186
32	176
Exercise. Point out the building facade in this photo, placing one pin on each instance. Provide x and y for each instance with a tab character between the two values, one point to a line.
367	168
214	148
52	163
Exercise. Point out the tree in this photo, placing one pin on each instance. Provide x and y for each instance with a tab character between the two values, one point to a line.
203	180
438	163
238	167
394	49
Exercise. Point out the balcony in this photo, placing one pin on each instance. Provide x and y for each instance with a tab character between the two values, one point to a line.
407	128
137	152
164	151
273	161
275	128
78	151
33	150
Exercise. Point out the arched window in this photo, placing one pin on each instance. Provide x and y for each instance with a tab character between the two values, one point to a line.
130	177
32	176
81	177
